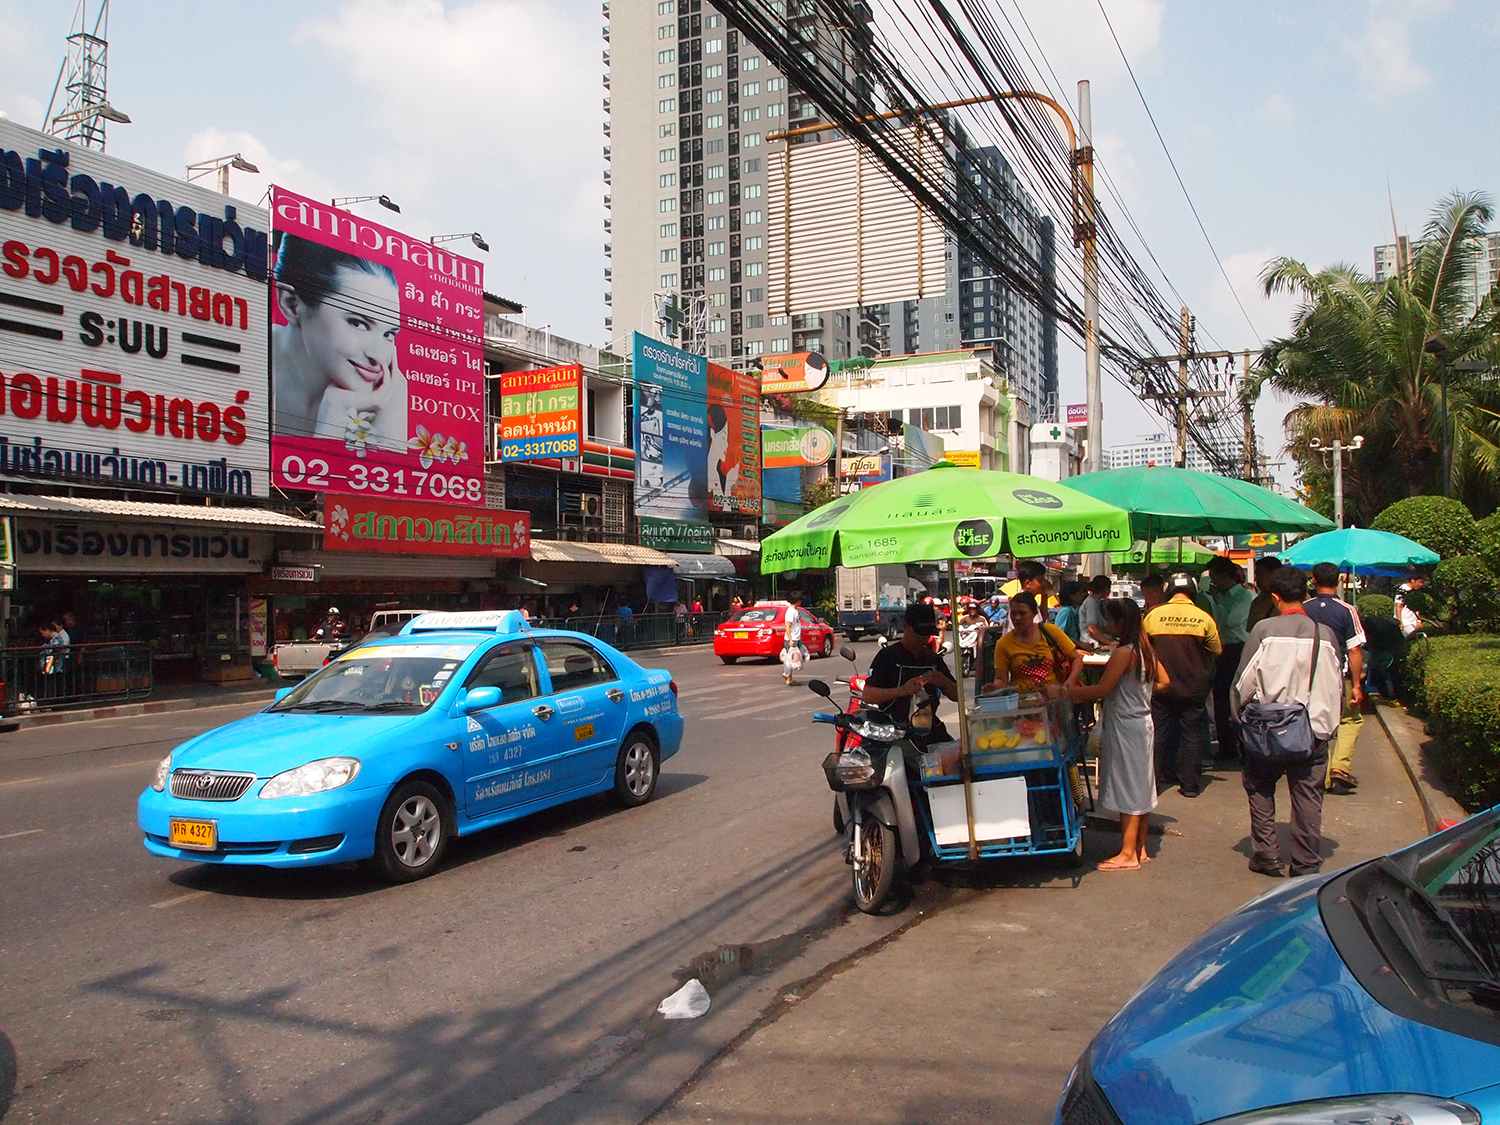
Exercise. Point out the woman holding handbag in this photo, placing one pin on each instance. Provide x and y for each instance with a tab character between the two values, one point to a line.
1034	655
1127	776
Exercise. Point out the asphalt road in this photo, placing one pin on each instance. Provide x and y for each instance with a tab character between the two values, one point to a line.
135	988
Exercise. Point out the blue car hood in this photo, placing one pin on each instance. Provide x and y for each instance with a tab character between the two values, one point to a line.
1261	1010
270	742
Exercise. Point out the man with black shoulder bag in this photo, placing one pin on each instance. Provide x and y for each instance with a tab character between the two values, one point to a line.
1289	695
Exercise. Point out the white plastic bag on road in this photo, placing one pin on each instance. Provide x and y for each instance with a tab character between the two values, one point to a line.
687	1003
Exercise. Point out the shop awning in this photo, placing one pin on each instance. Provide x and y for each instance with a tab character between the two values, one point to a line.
610	554
702	566
81	507
737	548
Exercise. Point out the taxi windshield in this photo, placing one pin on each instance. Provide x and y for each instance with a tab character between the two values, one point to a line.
392	679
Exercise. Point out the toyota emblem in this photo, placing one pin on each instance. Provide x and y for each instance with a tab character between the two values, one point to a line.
205	780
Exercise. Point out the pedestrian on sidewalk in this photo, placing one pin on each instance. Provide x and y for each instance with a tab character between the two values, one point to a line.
1327	608
1127	779
793	652
1153	591
1035	655
1232	600
1263	605
1186	641
1033	579
1069	597
1091	626
1289	659
1408	618
624	624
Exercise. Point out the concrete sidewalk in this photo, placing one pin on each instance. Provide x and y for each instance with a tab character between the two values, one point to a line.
977	1012
173	697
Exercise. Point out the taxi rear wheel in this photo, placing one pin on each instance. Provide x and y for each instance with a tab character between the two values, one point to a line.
412	833
828	646
636	770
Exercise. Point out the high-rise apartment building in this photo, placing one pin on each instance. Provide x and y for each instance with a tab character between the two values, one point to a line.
1481	276
690	104
1157	449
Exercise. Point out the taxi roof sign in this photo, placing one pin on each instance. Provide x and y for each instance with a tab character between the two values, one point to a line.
485	621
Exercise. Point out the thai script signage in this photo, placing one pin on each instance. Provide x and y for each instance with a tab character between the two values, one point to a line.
671	435
132	324
294	574
677	535
784	449
786	374
370	523
539	414
733	458
376	357
184	548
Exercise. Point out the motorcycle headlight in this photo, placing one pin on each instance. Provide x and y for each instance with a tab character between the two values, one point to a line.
163	769
855	768
877	730
1374	1109
315	777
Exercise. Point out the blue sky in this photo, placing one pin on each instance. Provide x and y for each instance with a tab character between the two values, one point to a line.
1289	122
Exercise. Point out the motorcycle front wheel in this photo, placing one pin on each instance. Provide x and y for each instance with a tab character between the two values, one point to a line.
874	865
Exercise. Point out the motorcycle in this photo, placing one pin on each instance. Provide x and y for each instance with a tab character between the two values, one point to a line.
867	769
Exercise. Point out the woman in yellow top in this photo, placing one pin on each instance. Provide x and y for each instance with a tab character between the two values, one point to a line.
1026	656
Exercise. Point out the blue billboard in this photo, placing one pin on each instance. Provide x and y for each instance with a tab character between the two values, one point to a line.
671	431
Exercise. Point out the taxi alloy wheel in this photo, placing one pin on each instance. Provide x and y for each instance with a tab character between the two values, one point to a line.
636	769
412	834
828	646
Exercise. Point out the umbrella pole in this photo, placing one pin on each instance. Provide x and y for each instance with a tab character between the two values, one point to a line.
963	719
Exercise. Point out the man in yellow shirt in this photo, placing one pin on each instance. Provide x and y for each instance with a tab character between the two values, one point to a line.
1187	644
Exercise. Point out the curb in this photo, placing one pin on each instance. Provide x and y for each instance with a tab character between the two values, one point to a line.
1437	806
125	710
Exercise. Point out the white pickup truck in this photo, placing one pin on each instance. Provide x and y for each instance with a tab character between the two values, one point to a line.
295	659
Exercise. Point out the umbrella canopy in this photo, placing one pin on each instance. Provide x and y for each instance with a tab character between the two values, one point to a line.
1164	551
1169	501
1360	549
947	513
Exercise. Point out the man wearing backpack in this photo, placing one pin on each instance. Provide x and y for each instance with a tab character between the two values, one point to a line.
1289	695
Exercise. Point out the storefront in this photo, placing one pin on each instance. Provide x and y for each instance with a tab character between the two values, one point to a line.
708	580
176	577
590	579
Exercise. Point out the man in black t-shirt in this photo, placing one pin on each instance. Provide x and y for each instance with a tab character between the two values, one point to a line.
904	670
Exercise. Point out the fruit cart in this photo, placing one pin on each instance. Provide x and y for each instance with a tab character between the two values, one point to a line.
1024	785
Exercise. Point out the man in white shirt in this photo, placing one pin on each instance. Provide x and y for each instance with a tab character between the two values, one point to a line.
1409	619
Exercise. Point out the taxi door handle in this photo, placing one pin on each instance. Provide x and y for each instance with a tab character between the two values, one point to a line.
543	712
615	694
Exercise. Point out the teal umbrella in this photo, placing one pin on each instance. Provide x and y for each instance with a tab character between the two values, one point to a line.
1361	550
1168	501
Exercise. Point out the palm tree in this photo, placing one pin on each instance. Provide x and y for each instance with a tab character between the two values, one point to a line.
1357	361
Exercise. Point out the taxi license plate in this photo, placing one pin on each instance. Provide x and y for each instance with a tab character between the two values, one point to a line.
742	636
199	835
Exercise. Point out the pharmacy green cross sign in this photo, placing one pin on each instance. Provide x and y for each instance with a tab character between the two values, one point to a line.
671	315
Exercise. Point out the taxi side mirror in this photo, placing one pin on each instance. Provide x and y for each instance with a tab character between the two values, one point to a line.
480	699
282	693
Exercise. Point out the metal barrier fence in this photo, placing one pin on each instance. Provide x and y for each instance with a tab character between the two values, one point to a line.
46	678
648	630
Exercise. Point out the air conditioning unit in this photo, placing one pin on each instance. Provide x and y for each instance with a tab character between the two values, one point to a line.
593	506
748	531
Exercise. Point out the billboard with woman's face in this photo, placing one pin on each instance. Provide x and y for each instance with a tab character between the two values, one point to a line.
377	363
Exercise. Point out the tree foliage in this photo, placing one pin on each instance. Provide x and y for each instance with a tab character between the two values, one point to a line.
1439	524
1356	363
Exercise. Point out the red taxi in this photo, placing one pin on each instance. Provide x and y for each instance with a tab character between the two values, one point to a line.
760	629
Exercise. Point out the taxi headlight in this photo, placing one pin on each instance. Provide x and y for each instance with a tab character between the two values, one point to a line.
315	777
163	769
1397	1109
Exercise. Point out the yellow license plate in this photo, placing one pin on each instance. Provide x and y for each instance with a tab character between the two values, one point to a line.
200	835
742	636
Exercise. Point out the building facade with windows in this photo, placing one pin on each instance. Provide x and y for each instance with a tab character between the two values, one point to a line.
1158	449
689	106
1480	278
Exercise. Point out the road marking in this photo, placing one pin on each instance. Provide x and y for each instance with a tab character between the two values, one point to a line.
26	832
142	762
174	901
20	781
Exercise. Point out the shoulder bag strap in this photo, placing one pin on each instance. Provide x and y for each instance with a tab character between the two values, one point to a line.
1311	676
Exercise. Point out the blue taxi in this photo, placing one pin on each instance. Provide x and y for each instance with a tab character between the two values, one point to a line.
461	722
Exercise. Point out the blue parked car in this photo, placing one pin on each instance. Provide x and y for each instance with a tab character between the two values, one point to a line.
1369	995
461	722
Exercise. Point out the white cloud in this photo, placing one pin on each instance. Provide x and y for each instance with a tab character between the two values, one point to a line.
1277	109
1384	51
1076	40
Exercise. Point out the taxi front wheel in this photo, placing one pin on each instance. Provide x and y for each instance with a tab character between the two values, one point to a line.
412	833
636	769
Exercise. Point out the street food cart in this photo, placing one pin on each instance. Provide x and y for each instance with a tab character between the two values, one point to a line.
1026	797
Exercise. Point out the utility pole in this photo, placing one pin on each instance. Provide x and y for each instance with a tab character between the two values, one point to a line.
838	453
1338	484
1184	350
1084	233
1252	470
1183	395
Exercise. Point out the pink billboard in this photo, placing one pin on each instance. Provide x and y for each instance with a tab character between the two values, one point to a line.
377	362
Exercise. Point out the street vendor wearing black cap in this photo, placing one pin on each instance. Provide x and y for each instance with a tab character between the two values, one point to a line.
903	671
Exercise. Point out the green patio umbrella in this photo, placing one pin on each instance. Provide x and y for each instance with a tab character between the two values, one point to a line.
1164	551
1169	501
948	513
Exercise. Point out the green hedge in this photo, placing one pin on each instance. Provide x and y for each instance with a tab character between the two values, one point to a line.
1455	681
1376	605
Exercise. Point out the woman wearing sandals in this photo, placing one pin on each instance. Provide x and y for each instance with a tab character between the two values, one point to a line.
1127	782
